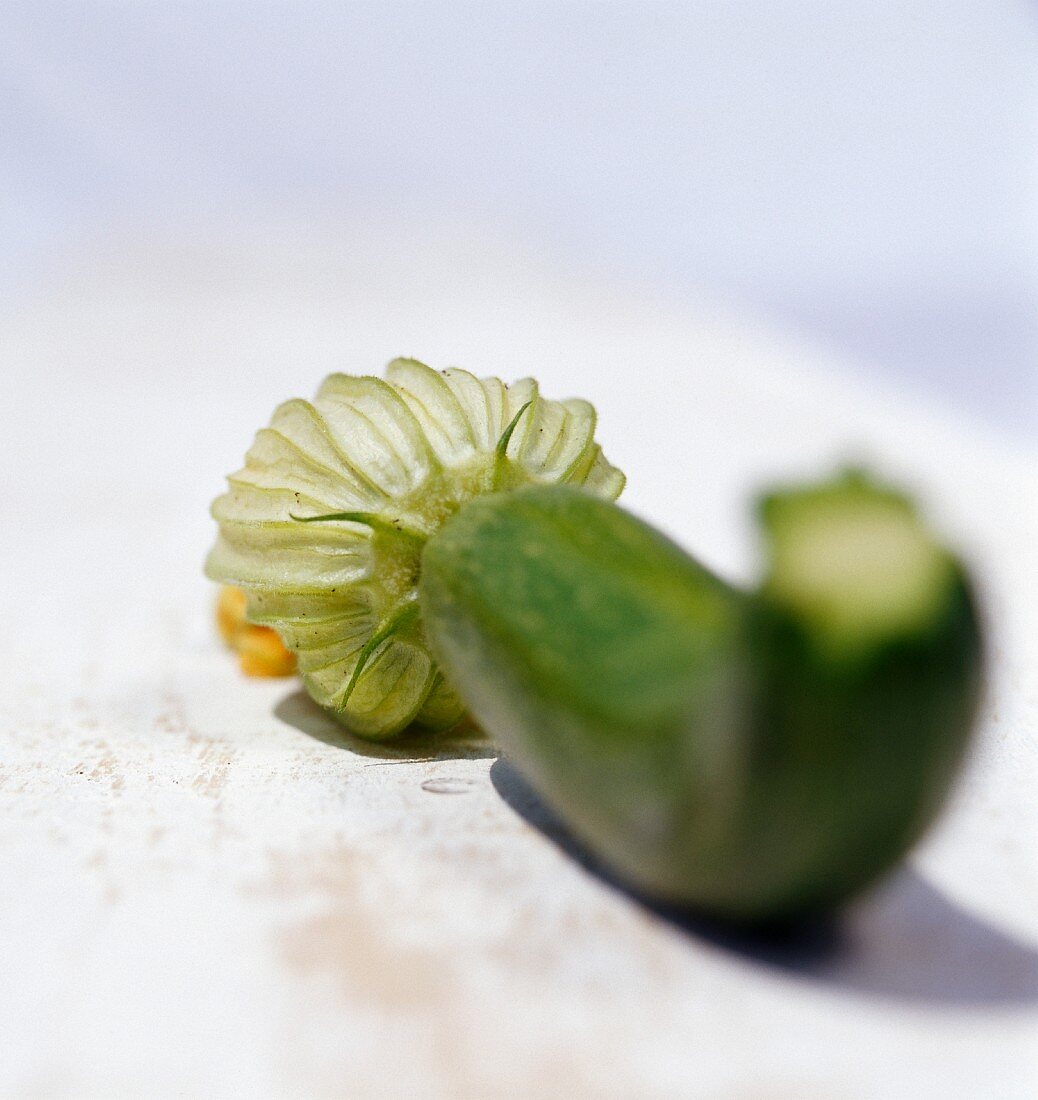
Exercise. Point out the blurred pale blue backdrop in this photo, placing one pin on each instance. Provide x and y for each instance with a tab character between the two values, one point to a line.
862	172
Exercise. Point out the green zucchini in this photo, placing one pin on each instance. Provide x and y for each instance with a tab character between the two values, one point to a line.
758	756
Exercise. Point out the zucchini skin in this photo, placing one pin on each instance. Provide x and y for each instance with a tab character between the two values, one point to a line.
690	734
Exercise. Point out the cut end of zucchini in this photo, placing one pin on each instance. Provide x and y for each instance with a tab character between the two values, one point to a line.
852	561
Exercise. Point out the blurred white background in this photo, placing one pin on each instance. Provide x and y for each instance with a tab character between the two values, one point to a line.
863	174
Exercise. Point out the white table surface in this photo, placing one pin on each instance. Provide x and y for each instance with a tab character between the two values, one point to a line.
209	891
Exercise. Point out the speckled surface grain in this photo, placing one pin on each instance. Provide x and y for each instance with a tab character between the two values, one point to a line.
209	891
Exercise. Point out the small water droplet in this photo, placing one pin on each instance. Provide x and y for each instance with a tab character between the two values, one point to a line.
447	785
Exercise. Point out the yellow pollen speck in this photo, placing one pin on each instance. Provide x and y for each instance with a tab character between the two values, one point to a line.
260	651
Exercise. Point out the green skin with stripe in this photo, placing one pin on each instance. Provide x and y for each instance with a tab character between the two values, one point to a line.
758	756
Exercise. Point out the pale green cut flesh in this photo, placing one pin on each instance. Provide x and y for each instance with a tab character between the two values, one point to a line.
855	561
400	455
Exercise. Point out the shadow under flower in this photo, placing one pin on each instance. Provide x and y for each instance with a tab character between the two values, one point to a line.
464	742
905	940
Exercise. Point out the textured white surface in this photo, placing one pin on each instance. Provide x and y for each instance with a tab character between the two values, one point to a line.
208	891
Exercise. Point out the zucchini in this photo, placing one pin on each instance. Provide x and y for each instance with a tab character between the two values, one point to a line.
758	756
